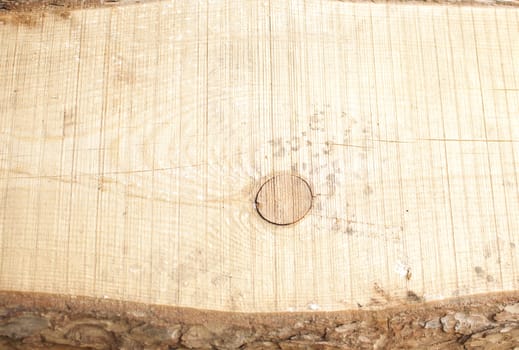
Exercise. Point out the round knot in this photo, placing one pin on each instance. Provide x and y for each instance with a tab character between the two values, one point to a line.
284	199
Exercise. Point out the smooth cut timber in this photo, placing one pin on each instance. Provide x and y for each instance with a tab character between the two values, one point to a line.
134	141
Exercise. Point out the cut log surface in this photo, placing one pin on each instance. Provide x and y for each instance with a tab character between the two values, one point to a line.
260	156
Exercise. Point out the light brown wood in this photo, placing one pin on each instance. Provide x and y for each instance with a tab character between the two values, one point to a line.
134	141
284	199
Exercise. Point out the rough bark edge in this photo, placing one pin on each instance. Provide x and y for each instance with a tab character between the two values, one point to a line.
30	12
34	320
28	5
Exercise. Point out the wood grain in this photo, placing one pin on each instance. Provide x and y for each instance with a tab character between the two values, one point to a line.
135	139
284	199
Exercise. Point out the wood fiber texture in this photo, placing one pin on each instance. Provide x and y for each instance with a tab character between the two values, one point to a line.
284	199
134	141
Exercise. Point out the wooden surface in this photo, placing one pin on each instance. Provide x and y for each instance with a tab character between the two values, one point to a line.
134	141
284	199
